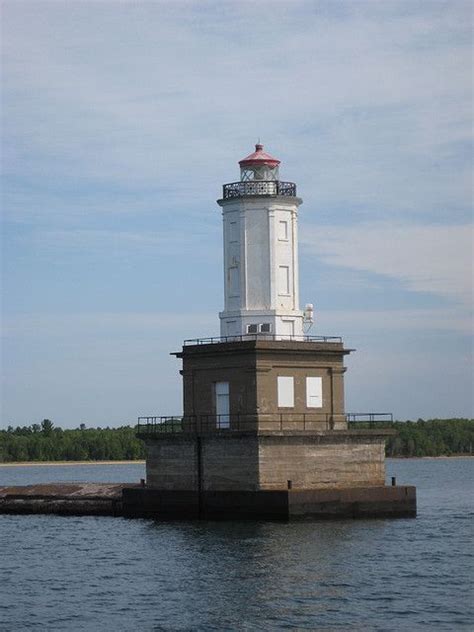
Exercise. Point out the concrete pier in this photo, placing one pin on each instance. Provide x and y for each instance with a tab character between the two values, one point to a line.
66	499
316	504
134	501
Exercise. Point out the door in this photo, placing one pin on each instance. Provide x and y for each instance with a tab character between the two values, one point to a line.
222	404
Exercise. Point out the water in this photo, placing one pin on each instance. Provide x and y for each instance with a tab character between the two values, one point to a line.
94	573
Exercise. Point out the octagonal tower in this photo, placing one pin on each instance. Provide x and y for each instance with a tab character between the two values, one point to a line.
260	216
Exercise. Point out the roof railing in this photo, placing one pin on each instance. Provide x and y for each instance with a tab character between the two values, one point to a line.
261	336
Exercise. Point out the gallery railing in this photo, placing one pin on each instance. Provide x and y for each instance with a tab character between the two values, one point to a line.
194	424
369	420
261	336
258	187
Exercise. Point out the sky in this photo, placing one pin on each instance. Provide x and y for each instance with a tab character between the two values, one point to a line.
122	120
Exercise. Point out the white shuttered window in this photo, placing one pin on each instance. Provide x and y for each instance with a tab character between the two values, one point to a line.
286	392
314	392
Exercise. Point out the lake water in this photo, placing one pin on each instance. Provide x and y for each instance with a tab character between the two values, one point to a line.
94	573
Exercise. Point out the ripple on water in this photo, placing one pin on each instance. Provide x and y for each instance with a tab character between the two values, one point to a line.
91	573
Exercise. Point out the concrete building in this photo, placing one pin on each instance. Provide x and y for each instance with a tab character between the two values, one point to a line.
264	430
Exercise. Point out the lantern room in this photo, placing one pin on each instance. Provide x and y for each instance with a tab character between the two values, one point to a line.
259	166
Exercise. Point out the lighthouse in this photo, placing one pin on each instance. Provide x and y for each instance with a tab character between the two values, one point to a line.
264	432
260	230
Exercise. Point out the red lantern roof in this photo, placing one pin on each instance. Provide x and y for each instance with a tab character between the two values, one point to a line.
259	157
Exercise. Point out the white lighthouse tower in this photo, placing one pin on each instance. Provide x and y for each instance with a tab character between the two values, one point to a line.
260	216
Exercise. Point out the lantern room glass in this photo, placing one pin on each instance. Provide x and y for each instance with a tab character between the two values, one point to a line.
258	172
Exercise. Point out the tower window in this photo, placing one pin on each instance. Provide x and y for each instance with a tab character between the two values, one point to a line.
266	328
252	329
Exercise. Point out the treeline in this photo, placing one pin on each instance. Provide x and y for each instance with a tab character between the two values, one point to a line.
44	442
433	437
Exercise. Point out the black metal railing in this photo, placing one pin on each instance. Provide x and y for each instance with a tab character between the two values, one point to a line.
258	187
196	424
166	424
261	336
369	420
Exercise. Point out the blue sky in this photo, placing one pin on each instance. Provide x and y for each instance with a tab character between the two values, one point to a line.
121	121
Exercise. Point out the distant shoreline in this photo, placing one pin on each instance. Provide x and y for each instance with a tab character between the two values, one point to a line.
142	462
52	463
441	456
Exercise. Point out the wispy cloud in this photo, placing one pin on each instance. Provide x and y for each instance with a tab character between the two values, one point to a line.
364	105
387	322
425	258
116	242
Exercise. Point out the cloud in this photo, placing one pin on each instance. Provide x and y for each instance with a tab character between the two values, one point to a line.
424	258
386	321
363	105
117	242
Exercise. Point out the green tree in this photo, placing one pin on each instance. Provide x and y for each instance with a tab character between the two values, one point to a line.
47	427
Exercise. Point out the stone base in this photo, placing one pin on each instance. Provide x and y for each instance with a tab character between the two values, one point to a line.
266	461
360	502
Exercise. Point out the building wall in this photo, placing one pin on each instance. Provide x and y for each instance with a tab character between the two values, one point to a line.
201	372
252	369
311	463
256	260
172	463
249	461
260	247
329	369
230	463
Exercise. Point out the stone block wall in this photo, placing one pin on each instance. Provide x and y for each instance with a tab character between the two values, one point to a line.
171	463
230	463
317	462
266	461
